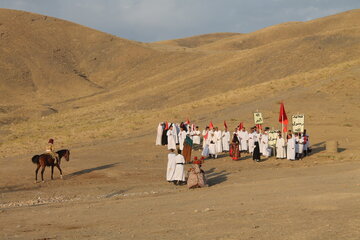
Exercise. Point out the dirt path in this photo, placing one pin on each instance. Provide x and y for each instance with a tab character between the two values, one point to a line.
124	196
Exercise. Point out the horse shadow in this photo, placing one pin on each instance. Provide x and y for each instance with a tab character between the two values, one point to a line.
214	178
89	170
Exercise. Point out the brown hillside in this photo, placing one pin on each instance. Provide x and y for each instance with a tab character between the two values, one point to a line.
200	40
102	97
84	83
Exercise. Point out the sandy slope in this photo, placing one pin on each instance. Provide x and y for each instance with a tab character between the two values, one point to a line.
103	96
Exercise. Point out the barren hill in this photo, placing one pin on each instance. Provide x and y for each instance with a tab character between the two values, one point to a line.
102	97
65	80
200	40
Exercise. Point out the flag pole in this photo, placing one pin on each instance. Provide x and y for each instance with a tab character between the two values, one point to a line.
282	125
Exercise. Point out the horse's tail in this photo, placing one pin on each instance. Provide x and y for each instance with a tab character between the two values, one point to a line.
35	159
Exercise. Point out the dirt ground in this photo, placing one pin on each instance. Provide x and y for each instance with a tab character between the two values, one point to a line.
111	193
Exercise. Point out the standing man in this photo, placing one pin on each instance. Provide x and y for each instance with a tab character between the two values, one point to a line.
290	153
179	173
256	153
182	136
218	138
251	141
206	136
265	144
244	138
171	141
196	137
280	147
226	140
170	166
212	145
159	134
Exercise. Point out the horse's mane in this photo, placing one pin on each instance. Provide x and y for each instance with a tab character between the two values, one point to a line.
62	151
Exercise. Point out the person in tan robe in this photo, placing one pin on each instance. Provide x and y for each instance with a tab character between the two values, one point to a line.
196	177
51	150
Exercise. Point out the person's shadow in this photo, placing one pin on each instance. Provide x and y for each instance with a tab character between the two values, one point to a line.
214	178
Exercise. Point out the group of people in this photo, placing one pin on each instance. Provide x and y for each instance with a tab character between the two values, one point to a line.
176	171
213	142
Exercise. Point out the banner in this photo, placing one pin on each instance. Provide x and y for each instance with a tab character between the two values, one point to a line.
298	122
258	119
273	134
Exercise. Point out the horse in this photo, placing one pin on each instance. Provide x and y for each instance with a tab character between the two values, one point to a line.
46	160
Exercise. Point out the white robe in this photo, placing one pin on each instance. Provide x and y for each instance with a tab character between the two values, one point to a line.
290	153
205	151
170	167
218	142
182	136
159	134
244	137
226	140
179	174
280	148
176	131
196	137
301	145
265	141
251	142
171	140
205	141
212	145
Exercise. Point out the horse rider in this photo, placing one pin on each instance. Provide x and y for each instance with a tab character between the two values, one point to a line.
51	151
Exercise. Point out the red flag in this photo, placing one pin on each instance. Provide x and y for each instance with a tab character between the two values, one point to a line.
241	125
187	122
225	125
211	126
166	126
282	116
285	128
259	126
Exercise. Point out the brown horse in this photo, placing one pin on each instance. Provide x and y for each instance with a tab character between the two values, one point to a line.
46	160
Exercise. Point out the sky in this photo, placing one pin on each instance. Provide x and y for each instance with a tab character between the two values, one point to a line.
155	20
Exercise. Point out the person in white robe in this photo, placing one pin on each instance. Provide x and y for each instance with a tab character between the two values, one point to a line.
176	131
179	173
182	136
244	138
171	166
300	146
159	134
266	151
171	138
218	142
290	153
196	136
206	136
251	141
212	145
226	140
280	147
